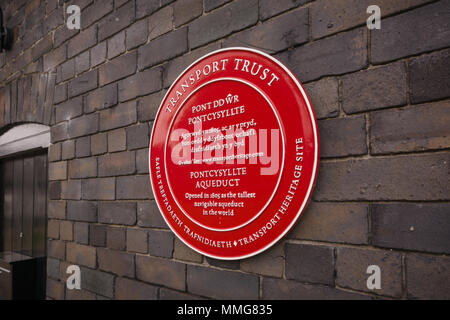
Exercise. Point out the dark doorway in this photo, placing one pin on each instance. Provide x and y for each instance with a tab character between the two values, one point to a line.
24	201
23	221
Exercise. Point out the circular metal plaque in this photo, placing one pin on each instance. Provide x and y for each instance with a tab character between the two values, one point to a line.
233	153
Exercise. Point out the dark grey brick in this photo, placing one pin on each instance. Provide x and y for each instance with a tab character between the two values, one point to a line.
54	193
116	238
233	285
415	177
68	149
79	295
95	12
310	263
418	128
53	268
117	68
56	249
22	60
36	67
83	147
275	35
270	264
116	21
343	137
71	190
420	227
51	5
55	289
186	10
269	8
168	294
99	143
138	136
82	41
427	277
57	171
134	290
54	152
334	222
149	215
60	93
163	48
69	109
146	7
117	262
82	211
115	164
324	97
220	23
279	289
117	140
136	34
137	240
63	34
84	125
142	161
160	243
225	264
346	52
99	189
83	168
133	187
420	30
122	115
116	45
82	62
329	17
81	232
5	107
97	281
123	213
163	272
83	83
53	227
66	70
42	47
98	54
184	253
175	66
165	2
429	75
352	264
160	22
54	58
97	235
81	254
212	4
140	84
101	98
374	88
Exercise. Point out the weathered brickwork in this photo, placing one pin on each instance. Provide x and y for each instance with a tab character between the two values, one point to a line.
381	97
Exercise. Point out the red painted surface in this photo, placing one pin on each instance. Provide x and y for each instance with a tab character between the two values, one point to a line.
234	153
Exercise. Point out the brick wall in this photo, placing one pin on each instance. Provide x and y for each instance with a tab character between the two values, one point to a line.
382	102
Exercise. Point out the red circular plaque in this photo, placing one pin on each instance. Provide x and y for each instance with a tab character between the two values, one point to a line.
233	153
